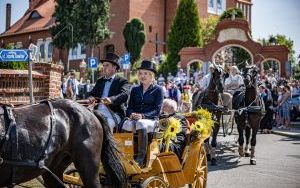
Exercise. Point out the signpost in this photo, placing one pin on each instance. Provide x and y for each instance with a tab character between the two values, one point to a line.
93	64
126	63
14	55
19	55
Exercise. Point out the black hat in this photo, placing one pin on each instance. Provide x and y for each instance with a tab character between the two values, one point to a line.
148	65
112	58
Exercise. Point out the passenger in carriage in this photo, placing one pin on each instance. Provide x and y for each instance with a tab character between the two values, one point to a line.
113	90
204	83
232	86
144	107
178	144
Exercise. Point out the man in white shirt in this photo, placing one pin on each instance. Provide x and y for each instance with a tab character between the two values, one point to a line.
204	82
113	91
232	84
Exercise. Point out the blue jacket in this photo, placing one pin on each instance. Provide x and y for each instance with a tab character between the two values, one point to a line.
148	104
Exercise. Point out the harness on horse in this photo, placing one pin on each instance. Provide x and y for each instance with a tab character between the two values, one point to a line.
11	135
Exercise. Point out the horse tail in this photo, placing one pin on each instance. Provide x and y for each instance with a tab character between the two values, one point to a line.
109	156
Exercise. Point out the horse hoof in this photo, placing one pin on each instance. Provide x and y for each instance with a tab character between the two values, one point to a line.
252	161
213	162
208	157
247	154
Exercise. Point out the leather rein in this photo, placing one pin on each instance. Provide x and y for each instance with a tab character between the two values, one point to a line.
11	135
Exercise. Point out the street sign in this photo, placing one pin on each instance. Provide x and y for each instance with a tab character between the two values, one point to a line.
126	58
14	55
125	66
92	62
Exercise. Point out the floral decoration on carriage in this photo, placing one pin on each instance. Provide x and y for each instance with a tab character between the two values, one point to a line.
201	122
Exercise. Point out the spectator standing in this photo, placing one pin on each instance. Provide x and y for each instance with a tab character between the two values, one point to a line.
284	104
72	87
160	79
170	78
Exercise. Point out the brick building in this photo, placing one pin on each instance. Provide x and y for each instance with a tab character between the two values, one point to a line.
157	15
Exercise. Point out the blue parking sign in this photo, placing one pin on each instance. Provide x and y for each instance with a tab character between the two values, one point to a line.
92	62
126	58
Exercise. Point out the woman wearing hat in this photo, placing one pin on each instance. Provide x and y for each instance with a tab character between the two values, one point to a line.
144	107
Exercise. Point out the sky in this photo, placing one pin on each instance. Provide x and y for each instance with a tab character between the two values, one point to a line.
268	17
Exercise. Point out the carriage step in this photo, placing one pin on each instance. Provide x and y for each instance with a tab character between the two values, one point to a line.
69	179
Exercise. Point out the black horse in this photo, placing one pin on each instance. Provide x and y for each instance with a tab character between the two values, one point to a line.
40	138
248	106
209	99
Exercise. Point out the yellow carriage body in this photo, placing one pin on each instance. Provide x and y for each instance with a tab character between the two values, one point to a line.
166	166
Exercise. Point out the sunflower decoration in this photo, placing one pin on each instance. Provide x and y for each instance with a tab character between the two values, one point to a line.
204	123
171	132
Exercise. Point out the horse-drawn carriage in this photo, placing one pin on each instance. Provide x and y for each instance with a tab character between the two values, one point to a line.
163	168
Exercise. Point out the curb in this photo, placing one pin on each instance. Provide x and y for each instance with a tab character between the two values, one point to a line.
288	134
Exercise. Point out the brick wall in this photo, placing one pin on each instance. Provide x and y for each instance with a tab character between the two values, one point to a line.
46	83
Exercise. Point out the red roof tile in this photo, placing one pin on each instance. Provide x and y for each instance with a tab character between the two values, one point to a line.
45	8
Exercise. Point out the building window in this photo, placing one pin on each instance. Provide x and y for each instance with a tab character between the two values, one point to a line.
34	15
211	6
74	51
83	48
216	6
150	28
50	50
42	51
109	48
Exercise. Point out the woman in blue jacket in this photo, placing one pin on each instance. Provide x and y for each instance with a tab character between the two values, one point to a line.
144	107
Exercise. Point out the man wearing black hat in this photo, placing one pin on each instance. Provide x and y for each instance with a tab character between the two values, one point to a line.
144	107
113	91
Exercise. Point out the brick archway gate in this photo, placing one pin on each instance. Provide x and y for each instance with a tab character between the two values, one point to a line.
235	33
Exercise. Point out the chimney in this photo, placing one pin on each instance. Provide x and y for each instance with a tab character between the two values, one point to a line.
8	16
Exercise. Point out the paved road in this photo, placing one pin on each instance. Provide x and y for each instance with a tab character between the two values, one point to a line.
278	164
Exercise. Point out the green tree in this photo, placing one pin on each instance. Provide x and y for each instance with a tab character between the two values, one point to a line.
91	22
208	27
135	37
297	72
230	12
13	65
281	40
185	32
88	19
64	20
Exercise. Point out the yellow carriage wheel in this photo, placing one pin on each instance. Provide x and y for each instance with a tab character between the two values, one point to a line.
200	178
73	173
154	182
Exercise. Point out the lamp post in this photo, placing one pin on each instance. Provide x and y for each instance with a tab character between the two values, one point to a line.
72	37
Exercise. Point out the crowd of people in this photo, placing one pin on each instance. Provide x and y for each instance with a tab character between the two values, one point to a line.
138	108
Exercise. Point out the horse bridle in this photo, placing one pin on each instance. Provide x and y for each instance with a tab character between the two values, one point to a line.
252	78
12	136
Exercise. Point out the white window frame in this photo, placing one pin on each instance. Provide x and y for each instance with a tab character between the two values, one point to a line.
213	9
39	43
78	55
48	41
223	7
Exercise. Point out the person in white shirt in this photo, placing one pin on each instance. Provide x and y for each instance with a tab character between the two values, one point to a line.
161	79
204	82
232	84
234	81
170	77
